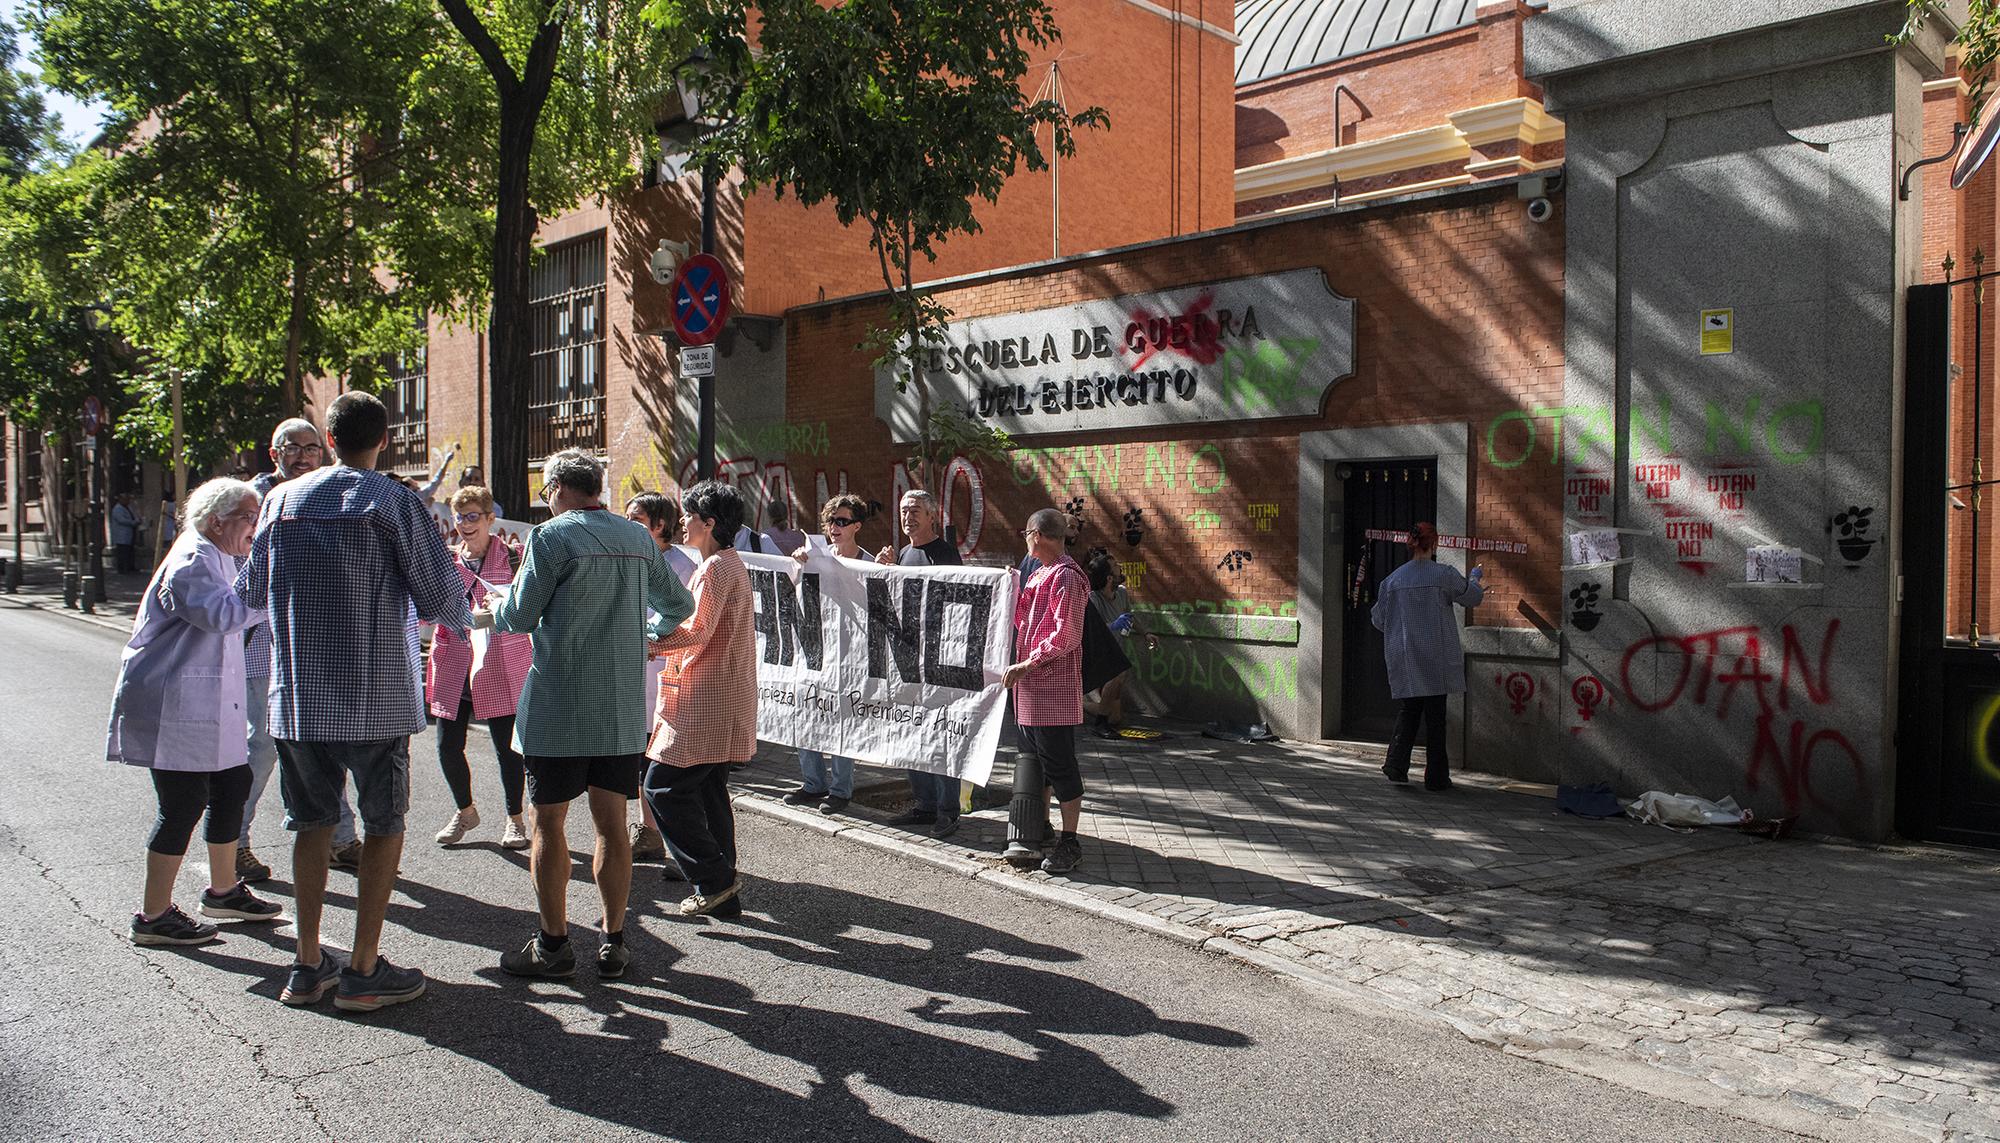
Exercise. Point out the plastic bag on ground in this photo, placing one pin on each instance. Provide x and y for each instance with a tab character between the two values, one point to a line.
1686	810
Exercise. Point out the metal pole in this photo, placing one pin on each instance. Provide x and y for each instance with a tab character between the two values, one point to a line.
1978	429
180	454
705	425
95	475
20	512
1055	165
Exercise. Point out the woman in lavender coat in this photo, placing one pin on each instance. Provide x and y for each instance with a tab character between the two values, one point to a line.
178	711
1413	610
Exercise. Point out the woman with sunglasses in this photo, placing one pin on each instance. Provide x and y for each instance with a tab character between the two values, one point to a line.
828	778
460	690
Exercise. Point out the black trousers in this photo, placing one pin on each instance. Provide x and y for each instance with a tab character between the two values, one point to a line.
1430	711
458	774
124	558
184	795
691	803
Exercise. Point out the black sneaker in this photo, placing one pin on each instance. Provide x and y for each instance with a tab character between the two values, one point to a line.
172	927
1063	856
385	986
945	827
346	857
534	960
611	961
803	797
239	903
913	818
249	870
305	985
833	804
1395	775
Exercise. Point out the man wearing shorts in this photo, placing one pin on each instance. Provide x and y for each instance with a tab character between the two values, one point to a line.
1047	675
341	556
581	595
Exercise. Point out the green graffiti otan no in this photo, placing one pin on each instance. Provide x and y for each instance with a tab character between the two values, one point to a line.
1791	433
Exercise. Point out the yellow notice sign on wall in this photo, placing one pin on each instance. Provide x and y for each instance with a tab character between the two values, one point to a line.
1718	331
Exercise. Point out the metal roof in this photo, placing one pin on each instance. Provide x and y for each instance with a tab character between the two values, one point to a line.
1280	36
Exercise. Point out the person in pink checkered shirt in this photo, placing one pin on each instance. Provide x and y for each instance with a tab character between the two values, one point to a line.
1047	675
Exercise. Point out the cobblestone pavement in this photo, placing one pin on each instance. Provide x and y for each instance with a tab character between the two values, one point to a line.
1830	989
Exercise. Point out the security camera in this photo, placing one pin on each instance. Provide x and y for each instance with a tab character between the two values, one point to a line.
1541	210
667	259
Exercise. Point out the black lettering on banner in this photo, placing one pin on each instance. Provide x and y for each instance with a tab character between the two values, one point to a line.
891	633
971	675
799	619
765	619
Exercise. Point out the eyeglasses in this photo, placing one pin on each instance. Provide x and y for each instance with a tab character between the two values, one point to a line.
548	494
291	449
470	517
841	522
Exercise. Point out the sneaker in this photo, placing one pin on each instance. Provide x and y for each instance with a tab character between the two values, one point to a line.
454	831
833	804
385	986
913	818
611	960
713	904
514	835
803	797
945	827
670	870
534	960
1394	775
1063	856
647	844
306	984
1438	786
172	927
239	903
347	856
249	870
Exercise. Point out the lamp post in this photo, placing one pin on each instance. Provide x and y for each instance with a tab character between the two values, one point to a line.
680	135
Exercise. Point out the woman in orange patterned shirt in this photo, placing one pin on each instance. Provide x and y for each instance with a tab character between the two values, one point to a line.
708	706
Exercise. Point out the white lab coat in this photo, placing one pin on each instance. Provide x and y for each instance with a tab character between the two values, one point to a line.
179	700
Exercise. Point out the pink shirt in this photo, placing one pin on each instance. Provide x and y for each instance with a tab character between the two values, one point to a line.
1048	635
708	691
496	686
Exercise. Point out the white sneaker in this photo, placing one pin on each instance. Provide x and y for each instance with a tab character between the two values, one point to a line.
515	836
454	831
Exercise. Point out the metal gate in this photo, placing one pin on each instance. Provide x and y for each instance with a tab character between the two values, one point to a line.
1948	725
1379	496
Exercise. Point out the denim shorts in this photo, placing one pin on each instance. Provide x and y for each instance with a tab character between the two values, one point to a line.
313	775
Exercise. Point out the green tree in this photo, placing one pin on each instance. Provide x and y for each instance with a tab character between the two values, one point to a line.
572	92
29	135
899	114
275	208
1978	38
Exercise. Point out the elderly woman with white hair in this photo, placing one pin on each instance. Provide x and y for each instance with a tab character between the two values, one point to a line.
179	712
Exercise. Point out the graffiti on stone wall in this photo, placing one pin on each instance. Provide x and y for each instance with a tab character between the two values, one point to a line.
1236	561
1588	694
1238	607
1134	572
1204	470
1519	687
1850	532
1264	515
1203	520
1584	615
1094	467
1731	669
1135	526
1789	433
1198	665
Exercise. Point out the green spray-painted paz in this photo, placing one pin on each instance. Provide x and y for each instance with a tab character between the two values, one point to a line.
1790	433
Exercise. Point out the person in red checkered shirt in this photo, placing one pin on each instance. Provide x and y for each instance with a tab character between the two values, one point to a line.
1047	675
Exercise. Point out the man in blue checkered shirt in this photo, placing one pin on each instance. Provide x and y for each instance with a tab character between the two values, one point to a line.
341	556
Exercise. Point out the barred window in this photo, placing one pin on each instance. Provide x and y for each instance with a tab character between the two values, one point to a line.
566	377
409	450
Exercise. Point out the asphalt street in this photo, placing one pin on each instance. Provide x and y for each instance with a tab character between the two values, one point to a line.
860	997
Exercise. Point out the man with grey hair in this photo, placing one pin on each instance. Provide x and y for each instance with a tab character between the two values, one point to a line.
935	803
581	595
1047	681
296	450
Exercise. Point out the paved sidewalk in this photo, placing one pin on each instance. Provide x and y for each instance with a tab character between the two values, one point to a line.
1833	990
42	589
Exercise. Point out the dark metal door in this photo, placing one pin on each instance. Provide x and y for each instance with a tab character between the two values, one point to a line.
1381	496
1948	719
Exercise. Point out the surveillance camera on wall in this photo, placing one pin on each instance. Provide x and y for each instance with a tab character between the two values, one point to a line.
667	259
1541	210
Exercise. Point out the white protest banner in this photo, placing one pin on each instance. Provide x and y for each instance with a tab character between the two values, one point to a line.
899	666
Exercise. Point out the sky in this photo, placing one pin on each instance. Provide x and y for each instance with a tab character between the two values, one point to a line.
79	121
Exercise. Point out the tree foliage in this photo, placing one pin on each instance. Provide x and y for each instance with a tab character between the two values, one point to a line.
1978	38
900	115
30	136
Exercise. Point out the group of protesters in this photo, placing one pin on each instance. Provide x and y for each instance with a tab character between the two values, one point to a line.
609	664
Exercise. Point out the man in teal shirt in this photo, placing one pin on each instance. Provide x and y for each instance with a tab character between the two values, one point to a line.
581	595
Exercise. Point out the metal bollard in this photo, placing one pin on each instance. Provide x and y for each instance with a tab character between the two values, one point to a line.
70	589
90	595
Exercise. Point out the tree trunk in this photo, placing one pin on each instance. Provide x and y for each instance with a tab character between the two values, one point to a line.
510	334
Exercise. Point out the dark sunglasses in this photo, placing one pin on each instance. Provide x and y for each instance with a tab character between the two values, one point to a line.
841	522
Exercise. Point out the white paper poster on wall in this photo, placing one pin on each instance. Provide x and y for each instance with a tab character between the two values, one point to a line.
891	665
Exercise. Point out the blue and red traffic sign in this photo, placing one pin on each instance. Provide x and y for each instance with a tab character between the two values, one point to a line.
701	299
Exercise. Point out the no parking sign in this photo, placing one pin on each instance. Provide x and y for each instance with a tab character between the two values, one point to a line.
701	299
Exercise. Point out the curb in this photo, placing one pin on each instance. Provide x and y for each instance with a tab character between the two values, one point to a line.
52	605
1633	1074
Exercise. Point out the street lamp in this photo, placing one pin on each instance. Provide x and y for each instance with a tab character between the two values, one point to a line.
677	137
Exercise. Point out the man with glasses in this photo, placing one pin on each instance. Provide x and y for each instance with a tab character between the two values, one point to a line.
296	450
936	795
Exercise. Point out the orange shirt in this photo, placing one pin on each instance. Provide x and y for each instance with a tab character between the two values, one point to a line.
708	691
